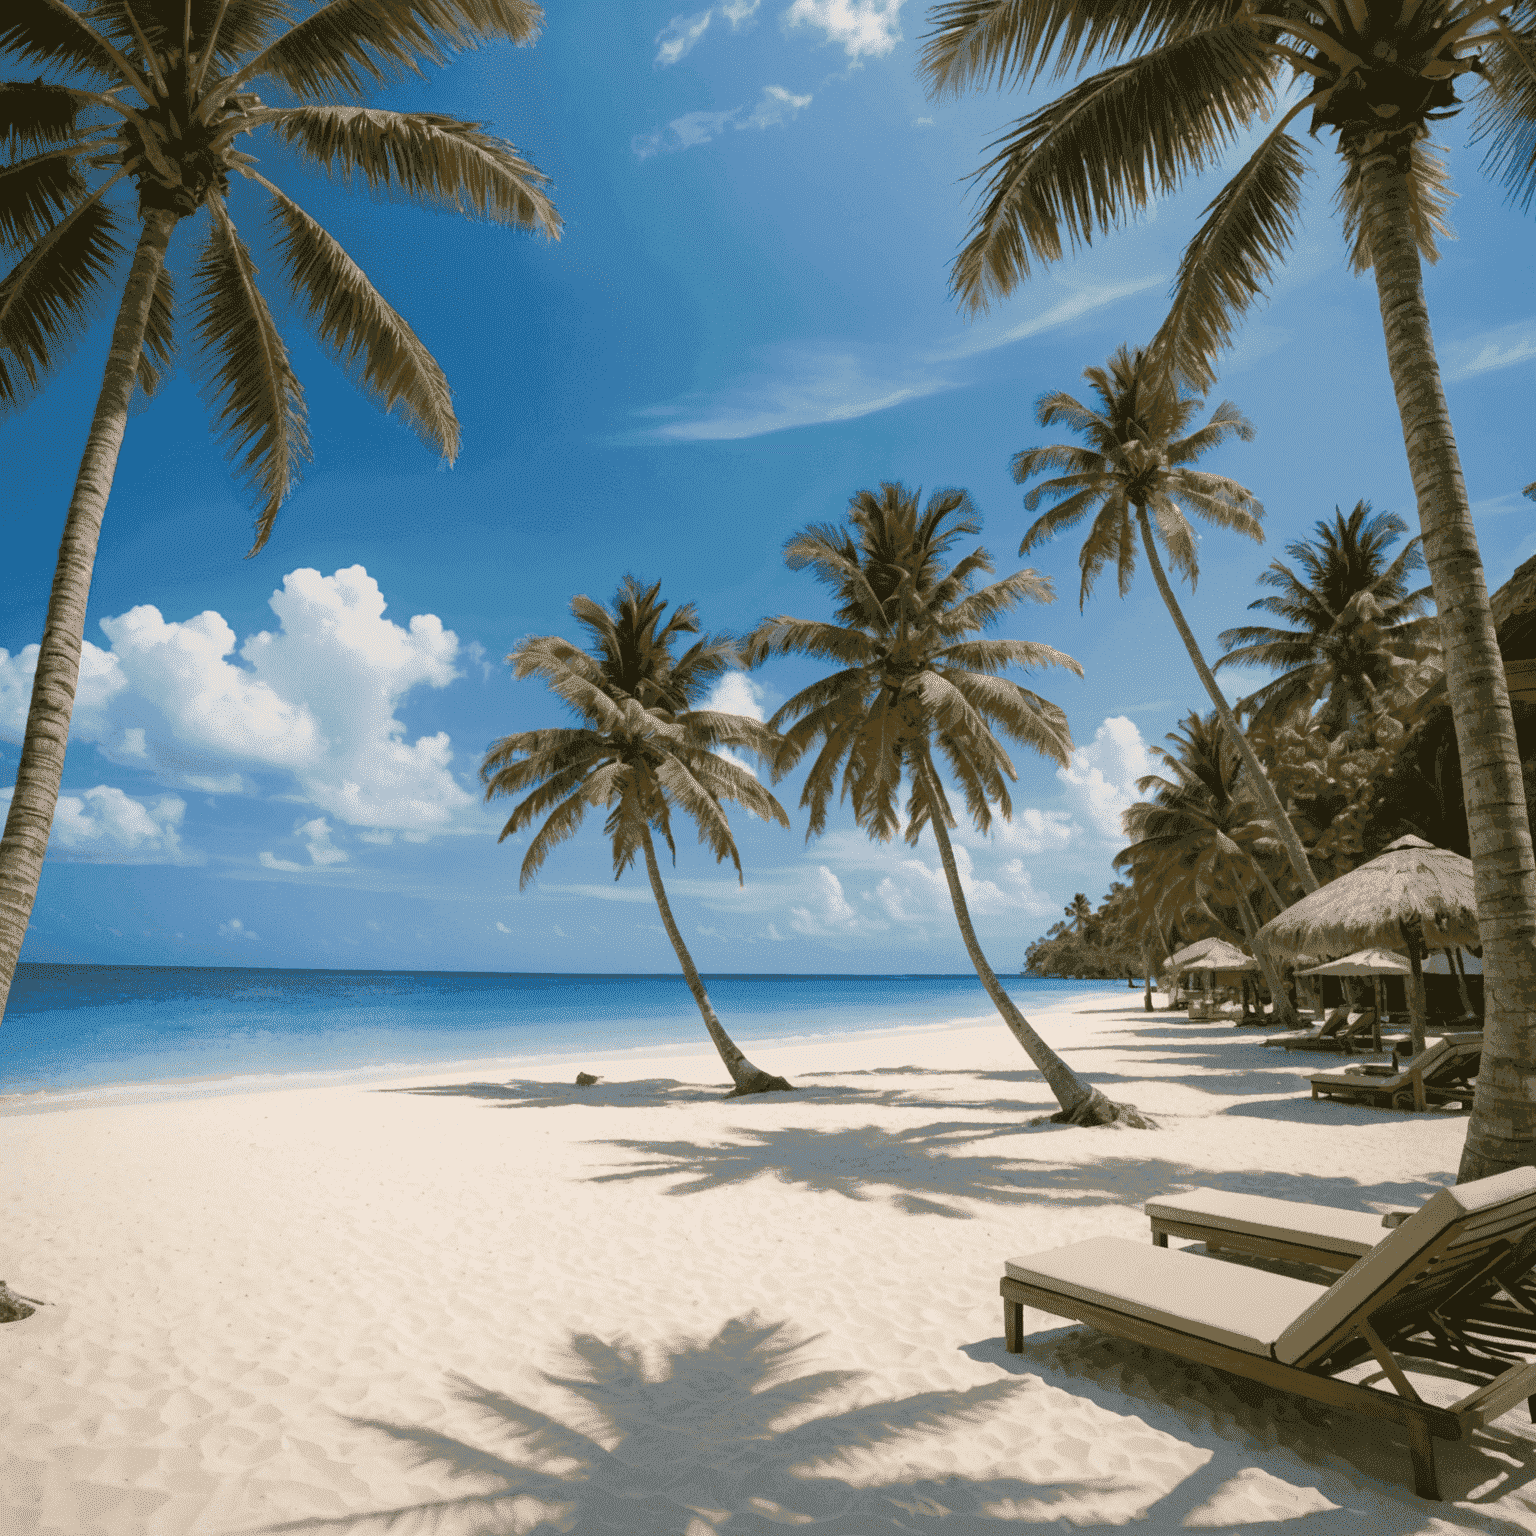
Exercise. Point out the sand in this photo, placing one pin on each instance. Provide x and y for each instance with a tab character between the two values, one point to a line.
490	1301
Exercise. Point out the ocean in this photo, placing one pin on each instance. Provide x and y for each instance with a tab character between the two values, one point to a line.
125	1032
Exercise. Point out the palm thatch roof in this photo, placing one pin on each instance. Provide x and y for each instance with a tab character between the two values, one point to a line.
1222	956
1180	959
1364	962
1413	892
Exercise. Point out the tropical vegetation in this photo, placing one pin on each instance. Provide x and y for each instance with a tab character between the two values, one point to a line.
1183	85
134	123
645	750
916	686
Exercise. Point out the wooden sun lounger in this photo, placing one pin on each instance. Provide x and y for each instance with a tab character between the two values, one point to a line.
1444	1072
1337	1033
1447	1286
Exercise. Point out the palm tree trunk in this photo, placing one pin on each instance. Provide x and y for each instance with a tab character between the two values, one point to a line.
1502	1131
1274	979
41	769
1262	787
746	1077
1081	1103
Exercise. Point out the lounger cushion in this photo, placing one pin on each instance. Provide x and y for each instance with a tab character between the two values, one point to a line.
1230	1304
1287	1221
1505	1202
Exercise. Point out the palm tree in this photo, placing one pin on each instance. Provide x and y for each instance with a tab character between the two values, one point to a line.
1184	82
912	677
1137	470
1355	625
1202	817
152	95
643	750
1079	913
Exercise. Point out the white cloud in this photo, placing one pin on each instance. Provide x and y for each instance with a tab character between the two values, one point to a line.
323	854
739	12
105	826
922	122
830	914
803	384
738	694
1491	350
774	107
1035	831
864	28
502	928
918	892
315	700
1101	777
677	39
235	929
797	386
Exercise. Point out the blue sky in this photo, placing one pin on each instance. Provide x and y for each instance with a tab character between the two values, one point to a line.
274	760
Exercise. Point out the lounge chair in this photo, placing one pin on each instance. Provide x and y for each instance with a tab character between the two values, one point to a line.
1338	1032
1270	1228
1444	1072
1446	1286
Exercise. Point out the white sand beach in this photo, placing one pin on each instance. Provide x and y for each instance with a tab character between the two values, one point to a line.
512	1305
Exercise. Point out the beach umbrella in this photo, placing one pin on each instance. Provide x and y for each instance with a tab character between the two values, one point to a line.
1221	956
1414	897
1364	962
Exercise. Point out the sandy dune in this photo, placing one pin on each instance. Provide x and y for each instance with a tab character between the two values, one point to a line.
488	1301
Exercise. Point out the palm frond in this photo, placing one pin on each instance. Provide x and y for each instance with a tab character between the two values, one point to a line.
362	331
563	822
346	45
1226	421
48	33
1248	228
50	296
995	656
34	194
35	114
783	636
1064	514
1104	148
424	155
1429	202
1506	117
975	43
258	399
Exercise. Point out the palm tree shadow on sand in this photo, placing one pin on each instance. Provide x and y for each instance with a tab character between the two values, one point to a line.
723	1436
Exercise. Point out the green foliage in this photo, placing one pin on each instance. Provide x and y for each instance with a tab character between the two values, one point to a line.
156	94
644	748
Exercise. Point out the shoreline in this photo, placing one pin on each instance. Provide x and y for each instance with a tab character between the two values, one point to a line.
386	1074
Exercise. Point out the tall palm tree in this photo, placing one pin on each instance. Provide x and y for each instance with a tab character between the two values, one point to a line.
643	750
149	98
1203	817
1079	913
1186	79
913	677
1355	626
1136	476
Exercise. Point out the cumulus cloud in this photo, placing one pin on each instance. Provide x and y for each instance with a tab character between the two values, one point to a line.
829	913
316	836
863	28
1101	777
315	700
918	892
105	826
774	107
1035	831
235	929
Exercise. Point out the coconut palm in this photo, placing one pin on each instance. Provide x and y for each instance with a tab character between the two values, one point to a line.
644	750
1136	476
913	679
1079	913
1203	817
1356	628
143	102
1185	82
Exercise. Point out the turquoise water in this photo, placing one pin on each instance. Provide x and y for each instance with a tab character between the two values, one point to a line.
83	1027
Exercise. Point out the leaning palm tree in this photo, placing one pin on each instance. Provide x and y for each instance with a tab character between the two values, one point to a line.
1201	816
914	678
1355	626
643	750
143	102
1136	476
1186	81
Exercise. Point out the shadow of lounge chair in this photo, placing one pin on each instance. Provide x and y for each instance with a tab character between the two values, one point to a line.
1445	1287
1444	1072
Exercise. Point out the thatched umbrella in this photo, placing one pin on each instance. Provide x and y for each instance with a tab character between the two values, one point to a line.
1414	897
1217	958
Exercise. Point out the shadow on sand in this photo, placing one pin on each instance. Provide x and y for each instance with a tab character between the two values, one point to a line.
730	1436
